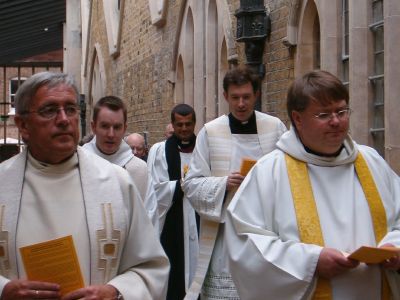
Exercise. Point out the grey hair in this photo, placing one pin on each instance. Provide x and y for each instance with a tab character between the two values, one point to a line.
28	89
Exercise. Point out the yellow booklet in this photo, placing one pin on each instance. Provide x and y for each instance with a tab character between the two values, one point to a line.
54	261
247	164
373	255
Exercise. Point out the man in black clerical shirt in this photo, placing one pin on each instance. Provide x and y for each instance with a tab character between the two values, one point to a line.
168	162
214	174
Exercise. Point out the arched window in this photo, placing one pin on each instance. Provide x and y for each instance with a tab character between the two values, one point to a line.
188	55
180	79
202	57
308	40
97	82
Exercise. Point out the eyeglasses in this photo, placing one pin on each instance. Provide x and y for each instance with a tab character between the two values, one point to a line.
51	111
342	115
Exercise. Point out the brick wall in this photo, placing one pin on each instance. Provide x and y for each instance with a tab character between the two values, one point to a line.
278	61
139	75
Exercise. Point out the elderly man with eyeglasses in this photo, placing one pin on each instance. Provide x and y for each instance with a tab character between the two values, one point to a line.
56	190
309	204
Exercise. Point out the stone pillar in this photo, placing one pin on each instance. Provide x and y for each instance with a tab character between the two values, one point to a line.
360	57
330	35
391	12
72	40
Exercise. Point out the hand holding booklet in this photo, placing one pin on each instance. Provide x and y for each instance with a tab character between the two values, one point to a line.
247	164
54	261
373	255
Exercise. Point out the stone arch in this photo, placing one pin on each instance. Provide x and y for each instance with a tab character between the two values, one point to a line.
225	26
97	78
212	59
188	55
214	48
308	39
223	68
180	79
293	23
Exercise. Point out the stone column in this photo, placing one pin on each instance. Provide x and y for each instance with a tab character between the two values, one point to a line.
391	12
360	57
72	40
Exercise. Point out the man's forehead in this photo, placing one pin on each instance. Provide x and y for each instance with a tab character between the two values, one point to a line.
117	115
234	88
110	122
53	94
315	104
137	145
181	118
59	87
136	139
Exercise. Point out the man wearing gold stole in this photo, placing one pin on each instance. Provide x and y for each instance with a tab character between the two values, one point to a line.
54	189
307	205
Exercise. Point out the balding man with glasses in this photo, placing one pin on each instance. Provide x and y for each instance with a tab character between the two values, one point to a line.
54	191
309	204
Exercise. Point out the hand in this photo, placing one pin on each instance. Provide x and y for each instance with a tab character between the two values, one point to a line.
332	262
392	263
93	292
25	289
234	180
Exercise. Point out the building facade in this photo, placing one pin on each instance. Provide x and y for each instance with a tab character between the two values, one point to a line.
157	53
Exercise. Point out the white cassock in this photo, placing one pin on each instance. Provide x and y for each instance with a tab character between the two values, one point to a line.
267	259
207	191
164	188
96	203
137	169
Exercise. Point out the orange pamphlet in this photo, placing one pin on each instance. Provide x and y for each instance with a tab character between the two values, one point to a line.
247	164
373	255
54	261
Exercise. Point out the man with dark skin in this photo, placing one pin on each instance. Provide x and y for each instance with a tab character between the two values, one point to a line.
168	163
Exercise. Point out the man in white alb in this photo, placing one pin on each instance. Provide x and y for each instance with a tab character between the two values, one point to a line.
168	162
214	174
54	189
305	206
109	127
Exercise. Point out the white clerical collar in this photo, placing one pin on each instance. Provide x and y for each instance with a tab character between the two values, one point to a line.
63	167
121	157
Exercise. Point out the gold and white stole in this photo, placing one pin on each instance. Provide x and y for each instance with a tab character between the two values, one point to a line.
307	215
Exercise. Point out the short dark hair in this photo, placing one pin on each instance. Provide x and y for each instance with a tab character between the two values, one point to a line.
320	86
183	110
112	102
240	76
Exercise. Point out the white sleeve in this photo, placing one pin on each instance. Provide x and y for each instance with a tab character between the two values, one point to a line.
265	256
144	267
205	192
163	187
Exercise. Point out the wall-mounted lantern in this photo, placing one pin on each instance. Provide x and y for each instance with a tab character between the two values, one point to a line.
253	28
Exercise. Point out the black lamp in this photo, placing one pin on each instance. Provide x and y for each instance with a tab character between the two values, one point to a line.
253	28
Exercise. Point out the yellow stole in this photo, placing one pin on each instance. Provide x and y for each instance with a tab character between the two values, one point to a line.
307	215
